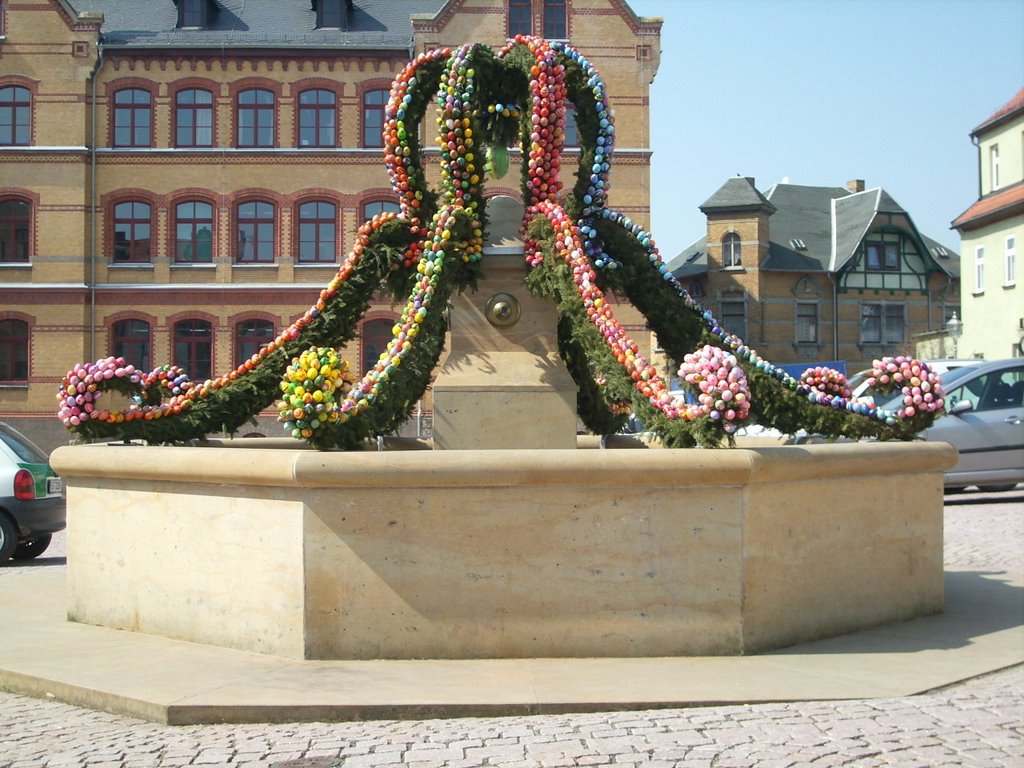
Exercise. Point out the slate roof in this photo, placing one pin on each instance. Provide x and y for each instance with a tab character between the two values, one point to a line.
812	229
151	24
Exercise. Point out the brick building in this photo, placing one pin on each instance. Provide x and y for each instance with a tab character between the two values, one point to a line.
819	274
179	178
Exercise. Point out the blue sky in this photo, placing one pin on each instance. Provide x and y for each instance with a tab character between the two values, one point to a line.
824	91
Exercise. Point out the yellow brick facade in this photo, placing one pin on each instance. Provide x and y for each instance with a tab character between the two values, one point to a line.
71	291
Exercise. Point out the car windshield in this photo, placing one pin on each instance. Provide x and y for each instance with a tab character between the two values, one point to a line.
23	448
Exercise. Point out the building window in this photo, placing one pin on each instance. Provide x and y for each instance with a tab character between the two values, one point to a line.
15	220
734	317
255	233
192	13
133	118
329	14
572	130
883	257
993	154
732	251
881	323
15	116
1010	261
317	109
555	27
376	336
193	232
376	207
373	117
317	228
131	341
250	337
193	118
806	322
520	21
256	118
132	226
13	351
193	348
979	269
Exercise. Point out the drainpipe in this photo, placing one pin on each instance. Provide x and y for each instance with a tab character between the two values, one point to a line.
92	205
835	316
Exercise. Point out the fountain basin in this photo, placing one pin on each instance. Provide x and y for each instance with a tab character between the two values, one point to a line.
405	554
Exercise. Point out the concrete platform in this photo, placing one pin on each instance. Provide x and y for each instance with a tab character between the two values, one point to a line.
175	682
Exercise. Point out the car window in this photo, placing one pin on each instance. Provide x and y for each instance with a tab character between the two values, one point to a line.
991	391
23	449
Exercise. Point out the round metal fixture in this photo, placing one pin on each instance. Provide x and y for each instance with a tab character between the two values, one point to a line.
503	310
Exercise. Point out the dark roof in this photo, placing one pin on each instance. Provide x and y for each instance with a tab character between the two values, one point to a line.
811	229
150	24
736	194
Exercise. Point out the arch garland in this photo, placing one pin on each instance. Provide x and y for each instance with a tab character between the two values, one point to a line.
578	249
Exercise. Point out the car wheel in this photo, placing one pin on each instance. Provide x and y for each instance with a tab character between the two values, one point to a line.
26	550
8	539
997	488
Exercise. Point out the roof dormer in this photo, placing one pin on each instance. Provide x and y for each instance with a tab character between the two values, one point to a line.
332	14
195	14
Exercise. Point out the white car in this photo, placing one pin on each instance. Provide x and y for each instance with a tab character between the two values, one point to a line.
32	503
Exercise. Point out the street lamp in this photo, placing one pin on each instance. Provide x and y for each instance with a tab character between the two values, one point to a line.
954	327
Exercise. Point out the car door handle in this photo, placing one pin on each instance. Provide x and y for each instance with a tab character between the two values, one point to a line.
1013	419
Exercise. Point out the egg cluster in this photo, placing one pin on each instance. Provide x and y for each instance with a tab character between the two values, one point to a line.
81	387
828	383
309	391
920	386
723	391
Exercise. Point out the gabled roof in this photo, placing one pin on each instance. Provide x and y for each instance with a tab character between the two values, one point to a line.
737	194
812	229
1008	111
151	24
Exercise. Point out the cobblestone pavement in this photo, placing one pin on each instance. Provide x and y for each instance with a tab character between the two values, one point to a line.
979	722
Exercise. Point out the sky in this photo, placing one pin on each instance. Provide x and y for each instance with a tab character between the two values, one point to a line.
822	92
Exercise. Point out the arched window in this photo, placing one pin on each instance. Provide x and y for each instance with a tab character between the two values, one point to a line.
13	351
255	233
250	337
132	227
317	109
519	18
317	227
731	250
193	232
133	118
376	335
193	348
15	116
373	117
130	339
15	221
375	207
193	118
555	27
255	118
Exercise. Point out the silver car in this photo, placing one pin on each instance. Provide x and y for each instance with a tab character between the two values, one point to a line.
985	422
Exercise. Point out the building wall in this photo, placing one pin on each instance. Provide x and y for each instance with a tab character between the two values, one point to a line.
72	292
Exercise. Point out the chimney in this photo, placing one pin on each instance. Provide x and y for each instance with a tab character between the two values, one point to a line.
750	181
855	185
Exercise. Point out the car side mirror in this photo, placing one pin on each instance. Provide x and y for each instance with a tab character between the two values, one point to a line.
961	407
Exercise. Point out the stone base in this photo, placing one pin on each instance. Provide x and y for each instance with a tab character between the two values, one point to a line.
527	553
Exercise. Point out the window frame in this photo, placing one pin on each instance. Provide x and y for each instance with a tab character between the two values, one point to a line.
261	112
519	18
327	11
802	311
10	345
12	222
132	221
555	19
194	240
732	251
255	221
378	111
375	329
20	113
1010	261
198	368
723	316
133	110
124	343
248	344
993	156
882	256
193	14
317	221
196	109
887	311
979	268
318	110
385	206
